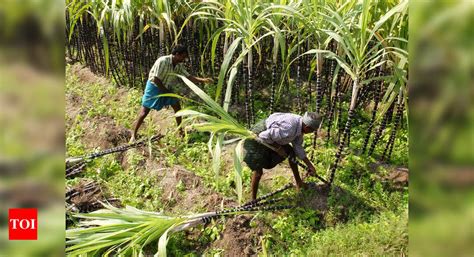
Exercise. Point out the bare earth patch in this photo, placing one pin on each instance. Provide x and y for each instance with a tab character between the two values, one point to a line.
240	238
86	75
104	133
184	192
86	197
395	176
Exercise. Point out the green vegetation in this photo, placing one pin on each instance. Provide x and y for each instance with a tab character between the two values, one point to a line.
354	219
344	59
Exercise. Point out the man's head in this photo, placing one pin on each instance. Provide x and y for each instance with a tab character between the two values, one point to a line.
180	53
311	121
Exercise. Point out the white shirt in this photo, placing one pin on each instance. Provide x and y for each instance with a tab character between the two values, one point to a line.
285	128
163	69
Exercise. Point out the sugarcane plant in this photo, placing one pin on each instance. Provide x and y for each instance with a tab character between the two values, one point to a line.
358	58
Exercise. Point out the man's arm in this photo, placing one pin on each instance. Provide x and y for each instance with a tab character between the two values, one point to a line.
197	80
301	153
311	169
160	85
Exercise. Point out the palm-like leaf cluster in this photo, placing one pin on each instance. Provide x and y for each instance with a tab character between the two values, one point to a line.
126	232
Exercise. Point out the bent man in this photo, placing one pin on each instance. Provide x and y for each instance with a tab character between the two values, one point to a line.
278	131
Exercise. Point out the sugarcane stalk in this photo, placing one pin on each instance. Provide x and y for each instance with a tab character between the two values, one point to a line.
266	196
273	87
396	124
298	80
250	87
333	107
319	97
117	149
377	90
347	127
246	102
383	124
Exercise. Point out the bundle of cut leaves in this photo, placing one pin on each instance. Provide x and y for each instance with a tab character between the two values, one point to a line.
125	232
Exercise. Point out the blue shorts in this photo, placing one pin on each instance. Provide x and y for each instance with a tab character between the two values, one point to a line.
151	100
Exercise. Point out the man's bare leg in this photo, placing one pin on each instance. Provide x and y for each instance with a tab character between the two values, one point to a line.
141	116
256	176
176	107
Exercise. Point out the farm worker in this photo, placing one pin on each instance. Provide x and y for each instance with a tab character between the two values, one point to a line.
278	131
161	80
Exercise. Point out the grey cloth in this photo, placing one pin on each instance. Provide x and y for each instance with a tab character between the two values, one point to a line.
312	120
284	128
257	156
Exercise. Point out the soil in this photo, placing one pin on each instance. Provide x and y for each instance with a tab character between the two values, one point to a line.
396	177
104	133
86	197
399	176
86	75
239	238
184	192
315	197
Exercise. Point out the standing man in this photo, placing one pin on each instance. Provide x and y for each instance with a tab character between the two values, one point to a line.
161	80
278	131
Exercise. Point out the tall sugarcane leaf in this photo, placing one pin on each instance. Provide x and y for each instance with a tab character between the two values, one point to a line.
215	107
215	41
112	232
216	157
394	87
225	65
228	92
162	242
238	157
330	55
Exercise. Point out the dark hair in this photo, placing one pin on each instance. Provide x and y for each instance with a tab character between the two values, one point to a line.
179	49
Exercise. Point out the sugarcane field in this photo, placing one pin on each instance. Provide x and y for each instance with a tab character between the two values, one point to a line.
236	128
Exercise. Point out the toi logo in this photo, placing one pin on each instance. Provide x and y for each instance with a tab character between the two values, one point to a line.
23	224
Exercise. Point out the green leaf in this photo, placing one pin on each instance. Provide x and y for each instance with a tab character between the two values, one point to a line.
238	157
216	157
225	65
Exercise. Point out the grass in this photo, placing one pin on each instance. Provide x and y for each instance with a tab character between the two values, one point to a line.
385	235
368	219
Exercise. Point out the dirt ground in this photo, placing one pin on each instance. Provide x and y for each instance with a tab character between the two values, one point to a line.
393	176
240	238
87	196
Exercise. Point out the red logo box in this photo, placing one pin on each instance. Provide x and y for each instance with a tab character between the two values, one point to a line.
23	224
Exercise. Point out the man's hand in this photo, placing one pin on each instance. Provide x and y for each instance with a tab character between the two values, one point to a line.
161	86
207	80
196	80
311	170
